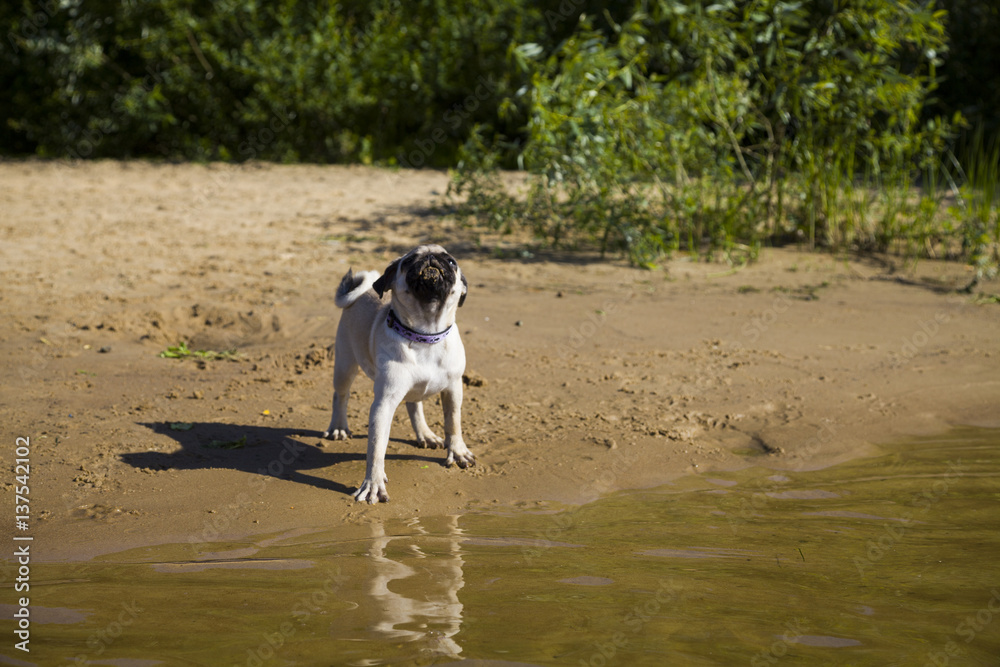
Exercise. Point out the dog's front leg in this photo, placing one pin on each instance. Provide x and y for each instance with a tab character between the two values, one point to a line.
451	401
379	422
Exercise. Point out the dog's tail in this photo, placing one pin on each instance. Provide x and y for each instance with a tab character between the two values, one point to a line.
353	286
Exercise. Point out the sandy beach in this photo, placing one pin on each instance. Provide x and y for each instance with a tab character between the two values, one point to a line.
584	376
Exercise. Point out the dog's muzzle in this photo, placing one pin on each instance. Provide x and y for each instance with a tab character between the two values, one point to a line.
431	278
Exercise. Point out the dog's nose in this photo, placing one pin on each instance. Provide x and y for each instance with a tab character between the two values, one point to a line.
430	272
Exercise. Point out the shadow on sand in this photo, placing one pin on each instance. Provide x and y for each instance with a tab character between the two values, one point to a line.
258	450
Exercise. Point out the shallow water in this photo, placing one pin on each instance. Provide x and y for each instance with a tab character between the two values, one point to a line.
886	560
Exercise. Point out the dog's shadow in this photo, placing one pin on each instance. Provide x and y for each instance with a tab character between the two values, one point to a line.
258	450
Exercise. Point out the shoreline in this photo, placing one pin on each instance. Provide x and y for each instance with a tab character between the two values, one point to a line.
585	377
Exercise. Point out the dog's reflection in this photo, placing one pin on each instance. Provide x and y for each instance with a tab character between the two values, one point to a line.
413	590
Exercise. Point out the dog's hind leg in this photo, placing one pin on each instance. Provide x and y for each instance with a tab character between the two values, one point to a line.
426	438
344	372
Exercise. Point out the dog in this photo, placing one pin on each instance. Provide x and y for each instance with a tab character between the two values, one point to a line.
410	347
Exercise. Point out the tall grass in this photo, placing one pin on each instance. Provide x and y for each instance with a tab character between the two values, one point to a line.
978	201
949	210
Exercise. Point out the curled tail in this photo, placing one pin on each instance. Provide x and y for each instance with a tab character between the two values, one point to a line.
353	286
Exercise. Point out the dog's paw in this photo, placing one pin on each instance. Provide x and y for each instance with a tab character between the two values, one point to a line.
372	492
337	434
460	455
429	440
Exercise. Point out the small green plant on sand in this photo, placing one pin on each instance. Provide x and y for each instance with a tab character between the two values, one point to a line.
228	444
181	351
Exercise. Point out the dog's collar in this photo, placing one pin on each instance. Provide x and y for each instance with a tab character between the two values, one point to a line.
409	334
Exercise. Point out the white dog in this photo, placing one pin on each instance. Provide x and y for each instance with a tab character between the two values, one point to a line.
410	347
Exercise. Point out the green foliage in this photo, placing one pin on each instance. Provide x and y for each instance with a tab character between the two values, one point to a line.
978	204
969	75
710	126
249	79
181	351
719	127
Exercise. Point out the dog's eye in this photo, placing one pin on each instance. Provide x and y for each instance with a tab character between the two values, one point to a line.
451	260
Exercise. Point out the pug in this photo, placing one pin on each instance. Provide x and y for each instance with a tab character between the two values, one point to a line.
410	347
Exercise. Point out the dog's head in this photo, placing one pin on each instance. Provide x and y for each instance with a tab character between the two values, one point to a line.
426	278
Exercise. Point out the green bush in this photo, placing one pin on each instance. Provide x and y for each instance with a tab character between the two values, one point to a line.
719	127
248	79
645	128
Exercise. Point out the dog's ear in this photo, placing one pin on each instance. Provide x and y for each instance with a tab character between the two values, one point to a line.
386	280
465	291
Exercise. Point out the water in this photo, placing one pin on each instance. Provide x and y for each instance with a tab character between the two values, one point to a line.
887	560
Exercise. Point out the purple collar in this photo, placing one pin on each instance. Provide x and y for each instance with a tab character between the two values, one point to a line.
409	334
